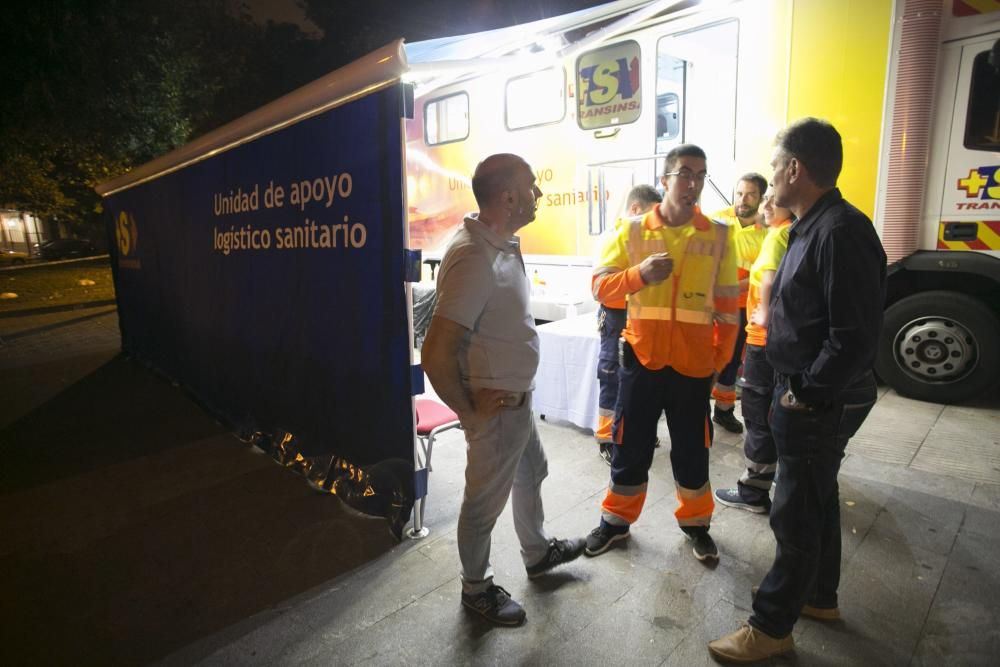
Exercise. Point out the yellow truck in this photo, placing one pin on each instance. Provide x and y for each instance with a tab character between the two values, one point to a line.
266	266
594	99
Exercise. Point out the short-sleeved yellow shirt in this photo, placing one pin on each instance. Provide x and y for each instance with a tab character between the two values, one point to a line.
771	251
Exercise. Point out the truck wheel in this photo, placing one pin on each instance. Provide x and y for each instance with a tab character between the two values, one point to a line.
939	346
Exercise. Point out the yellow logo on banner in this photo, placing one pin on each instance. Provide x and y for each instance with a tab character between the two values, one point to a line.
127	235
123	233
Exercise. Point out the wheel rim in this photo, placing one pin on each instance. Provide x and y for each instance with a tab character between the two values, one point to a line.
936	349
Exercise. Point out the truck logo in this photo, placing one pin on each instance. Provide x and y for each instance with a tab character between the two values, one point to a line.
981	183
605	81
608	82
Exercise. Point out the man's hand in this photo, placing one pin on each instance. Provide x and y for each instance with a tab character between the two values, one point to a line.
656	268
759	316
485	405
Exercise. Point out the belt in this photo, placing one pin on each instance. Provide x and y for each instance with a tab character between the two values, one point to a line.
866	377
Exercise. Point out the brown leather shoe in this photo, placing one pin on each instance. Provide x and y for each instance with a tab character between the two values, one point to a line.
748	644
821	613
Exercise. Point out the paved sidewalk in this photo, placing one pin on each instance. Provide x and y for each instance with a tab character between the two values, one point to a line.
42	355
132	522
920	492
920	584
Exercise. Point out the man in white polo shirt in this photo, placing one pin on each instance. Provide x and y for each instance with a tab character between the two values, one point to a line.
481	354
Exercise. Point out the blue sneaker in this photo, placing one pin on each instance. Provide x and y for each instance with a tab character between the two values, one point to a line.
732	498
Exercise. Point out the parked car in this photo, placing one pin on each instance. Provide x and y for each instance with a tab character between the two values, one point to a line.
66	249
12	257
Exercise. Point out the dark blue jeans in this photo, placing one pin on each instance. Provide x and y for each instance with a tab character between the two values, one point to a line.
805	516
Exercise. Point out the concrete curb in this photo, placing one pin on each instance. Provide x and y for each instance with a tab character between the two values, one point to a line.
58	309
54	325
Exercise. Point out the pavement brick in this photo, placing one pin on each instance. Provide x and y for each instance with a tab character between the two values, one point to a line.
919	542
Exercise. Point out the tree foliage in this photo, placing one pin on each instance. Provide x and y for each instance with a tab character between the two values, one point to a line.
94	87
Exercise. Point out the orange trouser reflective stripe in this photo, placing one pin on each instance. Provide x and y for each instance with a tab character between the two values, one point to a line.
694	506
726	395
623	508
604	423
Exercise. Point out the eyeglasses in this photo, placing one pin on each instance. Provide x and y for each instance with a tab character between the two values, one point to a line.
688	175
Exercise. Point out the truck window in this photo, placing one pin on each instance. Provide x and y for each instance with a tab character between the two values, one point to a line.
608	86
536	99
446	119
982	122
670	75
700	66
668	119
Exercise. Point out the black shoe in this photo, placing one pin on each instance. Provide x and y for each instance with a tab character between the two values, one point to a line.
604	449
704	545
602	537
495	604
727	420
560	551
732	498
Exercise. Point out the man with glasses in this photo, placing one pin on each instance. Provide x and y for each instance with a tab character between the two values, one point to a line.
678	270
748	230
825	317
610	322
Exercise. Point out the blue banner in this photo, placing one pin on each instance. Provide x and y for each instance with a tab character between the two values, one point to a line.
269	281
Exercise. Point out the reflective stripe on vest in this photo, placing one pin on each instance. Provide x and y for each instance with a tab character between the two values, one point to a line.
640	248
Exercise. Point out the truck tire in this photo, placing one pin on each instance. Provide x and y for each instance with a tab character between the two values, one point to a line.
939	346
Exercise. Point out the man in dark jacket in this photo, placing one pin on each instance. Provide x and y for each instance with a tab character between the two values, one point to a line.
826	313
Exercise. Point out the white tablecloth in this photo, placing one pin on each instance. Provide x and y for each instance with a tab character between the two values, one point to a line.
566	384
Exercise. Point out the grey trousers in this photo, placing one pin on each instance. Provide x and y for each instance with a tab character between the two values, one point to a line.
503	454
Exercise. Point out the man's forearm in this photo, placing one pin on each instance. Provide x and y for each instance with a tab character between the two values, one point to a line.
617	285
763	307
446	378
439	357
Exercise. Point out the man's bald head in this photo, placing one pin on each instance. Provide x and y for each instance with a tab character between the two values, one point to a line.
494	175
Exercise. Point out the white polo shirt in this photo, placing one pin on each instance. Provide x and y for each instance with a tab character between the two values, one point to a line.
482	285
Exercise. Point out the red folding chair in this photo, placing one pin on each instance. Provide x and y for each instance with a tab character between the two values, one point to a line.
432	418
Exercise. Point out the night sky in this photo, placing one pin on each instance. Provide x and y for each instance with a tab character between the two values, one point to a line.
469	15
